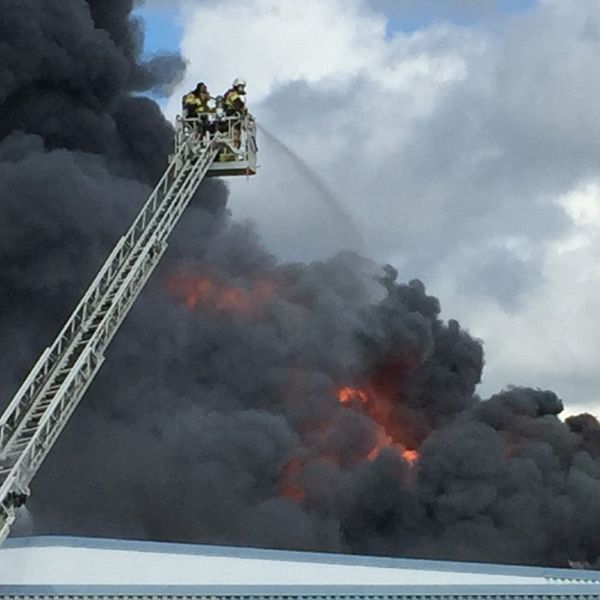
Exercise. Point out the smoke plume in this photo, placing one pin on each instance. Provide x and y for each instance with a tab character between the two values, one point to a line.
320	406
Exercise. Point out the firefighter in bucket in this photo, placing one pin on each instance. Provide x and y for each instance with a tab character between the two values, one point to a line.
224	123
235	106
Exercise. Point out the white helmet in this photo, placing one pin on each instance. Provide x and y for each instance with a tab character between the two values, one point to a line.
239	82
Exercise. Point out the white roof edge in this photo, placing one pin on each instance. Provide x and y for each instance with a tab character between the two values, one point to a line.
575	591
300	556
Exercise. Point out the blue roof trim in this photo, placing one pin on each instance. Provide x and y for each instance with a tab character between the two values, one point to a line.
296	556
539	591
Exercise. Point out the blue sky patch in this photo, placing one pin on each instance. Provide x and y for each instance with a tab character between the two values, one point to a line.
163	31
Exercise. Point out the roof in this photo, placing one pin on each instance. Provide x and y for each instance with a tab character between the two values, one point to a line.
60	565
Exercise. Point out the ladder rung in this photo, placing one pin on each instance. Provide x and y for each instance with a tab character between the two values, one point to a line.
13	454
20	446
25	434
23	437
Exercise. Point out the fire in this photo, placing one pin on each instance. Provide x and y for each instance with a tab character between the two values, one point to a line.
383	441
208	293
364	400
375	407
290	487
410	456
348	395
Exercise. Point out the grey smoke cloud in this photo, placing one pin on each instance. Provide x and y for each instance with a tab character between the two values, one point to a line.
469	193
216	417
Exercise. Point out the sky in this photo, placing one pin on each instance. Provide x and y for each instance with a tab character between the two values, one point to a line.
458	139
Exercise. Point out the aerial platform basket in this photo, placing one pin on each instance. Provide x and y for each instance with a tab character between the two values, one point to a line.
234	136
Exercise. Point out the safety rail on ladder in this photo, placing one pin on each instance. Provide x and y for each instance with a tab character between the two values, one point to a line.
43	404
236	136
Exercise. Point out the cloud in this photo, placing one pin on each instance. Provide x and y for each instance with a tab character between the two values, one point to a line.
270	41
451	146
327	81
551	337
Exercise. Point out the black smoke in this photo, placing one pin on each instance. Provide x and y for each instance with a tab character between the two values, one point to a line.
216	417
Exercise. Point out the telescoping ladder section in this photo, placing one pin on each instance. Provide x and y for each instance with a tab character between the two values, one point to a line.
40	409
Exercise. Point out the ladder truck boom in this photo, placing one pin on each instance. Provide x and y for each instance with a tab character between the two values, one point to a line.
40	409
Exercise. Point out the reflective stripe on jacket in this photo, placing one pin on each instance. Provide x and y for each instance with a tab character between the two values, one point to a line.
197	104
191	99
233	101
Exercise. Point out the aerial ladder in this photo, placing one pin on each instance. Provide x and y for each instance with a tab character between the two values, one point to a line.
40	409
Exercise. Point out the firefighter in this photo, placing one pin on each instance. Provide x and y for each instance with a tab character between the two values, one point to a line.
197	104
191	102
236	107
234	99
196	101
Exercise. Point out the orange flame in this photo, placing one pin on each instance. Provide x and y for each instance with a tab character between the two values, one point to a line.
354	397
348	395
204	292
410	456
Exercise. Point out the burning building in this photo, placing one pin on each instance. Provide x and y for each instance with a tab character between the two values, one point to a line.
323	406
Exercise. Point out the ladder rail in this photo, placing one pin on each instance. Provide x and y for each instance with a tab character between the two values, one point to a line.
117	286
